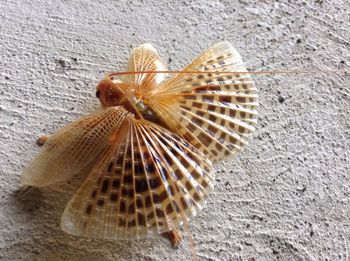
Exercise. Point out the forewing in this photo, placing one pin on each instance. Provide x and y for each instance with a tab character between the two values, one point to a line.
145	58
146	184
214	110
73	148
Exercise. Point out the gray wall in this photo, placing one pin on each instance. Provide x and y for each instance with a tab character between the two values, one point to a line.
286	196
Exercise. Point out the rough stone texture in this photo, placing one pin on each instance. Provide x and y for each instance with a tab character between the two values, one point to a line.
286	197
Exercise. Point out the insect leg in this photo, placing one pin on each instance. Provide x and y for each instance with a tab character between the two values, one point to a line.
41	140
174	237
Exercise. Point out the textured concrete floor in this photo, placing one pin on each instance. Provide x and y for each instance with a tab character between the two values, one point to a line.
286	197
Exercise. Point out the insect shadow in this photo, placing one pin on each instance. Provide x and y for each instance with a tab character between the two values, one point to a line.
41	209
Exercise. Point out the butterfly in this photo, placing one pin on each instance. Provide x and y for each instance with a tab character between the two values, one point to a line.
149	151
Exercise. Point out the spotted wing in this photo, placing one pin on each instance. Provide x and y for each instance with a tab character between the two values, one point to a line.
73	148
145	184
214	110
145	58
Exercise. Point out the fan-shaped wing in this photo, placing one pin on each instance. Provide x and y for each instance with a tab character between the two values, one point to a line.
146	183
214	110
145	58
73	148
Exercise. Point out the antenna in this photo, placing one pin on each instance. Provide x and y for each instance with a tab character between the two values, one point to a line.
300	71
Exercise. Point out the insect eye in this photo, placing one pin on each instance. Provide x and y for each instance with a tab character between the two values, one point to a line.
98	94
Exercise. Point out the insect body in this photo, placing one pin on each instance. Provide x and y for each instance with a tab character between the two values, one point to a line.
149	151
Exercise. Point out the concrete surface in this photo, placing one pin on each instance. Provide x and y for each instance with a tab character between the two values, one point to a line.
286	197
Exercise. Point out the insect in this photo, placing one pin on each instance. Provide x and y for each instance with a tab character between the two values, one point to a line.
148	152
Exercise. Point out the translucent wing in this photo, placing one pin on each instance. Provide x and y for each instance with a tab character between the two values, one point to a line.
73	148
213	111
145	58
146	183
